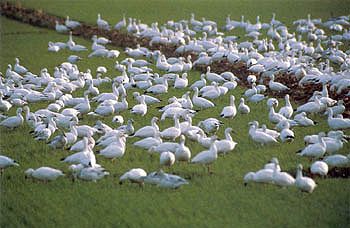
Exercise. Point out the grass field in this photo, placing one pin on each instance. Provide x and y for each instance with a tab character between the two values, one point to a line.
213	200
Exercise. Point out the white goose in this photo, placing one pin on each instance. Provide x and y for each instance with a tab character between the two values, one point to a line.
277	86
181	82
305	184
18	68
148	131
166	158
286	134
160	88
282	179
287	110
13	121
260	136
6	162
88	173
275	117
302	120
207	157
337	123
200	83
337	160
149	142
226	145
172	132
102	24
201	102
319	168
140	109
213	76
229	111
44	173
4	105
182	153
148	99
134	176
316	150
242	107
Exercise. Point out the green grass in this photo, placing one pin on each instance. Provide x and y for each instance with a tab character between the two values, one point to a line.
209	200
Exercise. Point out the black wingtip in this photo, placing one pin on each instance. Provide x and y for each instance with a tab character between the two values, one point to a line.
62	159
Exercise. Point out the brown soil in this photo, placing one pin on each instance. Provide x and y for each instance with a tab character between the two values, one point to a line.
122	39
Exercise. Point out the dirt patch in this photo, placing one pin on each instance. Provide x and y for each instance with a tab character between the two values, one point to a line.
122	39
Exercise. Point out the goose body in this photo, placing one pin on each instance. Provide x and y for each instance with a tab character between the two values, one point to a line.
319	168
166	158
207	157
242	107
261	176
13	121
226	145
201	102
44	173
148	131
337	160
337	123
182	153
134	175
148	142
229	111
305	184
316	150
282	179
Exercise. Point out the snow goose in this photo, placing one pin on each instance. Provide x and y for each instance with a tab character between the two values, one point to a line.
148	131
182	82
229	111
282	179
108	96
275	117
210	125
286	135
261	176
182	153
316	150
270	132
88	173
134	176
121	106
100	40
72	136
128	128
251	92
13	121
212	93
149	142
287	110
163	147
305	184
207	157
104	110
160	88
276	86
337	123
310	107
172	132
141	108
260	136
242	107
226	145
302	120
71	24
213	76
102	24
84	108
118	119
58	142
148	99
4	105
18	68
6	162
44	173
166	158
319	168
60	28
112	151
201	102
337	160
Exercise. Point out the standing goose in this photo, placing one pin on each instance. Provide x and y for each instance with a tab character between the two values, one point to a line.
140	109
226	145
13	121
44	173
260	136
305	184
286	134
84	108
148	131
166	158
102	24
201	102
287	110
172	132
229	111
242	107
181	82
182	153
6	162
207	157
18	68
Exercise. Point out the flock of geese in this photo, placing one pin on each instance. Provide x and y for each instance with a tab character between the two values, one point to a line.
308	54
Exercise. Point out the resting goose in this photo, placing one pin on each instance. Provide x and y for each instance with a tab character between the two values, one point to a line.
282	179
337	123
242	107
226	145
172	132
316	150
201	102
148	131
337	160
140	109
286	134
182	153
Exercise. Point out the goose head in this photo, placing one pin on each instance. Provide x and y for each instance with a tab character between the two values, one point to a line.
29	172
